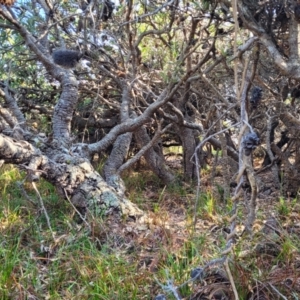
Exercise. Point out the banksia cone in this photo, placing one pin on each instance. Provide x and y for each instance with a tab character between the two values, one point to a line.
66	58
256	96
7	2
295	92
250	142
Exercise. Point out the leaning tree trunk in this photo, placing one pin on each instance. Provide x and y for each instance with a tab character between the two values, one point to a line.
154	159
73	176
120	147
187	137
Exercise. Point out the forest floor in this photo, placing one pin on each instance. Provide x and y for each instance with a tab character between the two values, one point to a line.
130	259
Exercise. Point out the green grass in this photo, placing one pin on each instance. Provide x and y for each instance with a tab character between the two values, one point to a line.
116	261
73	266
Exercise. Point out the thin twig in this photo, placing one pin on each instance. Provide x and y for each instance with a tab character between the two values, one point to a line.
44	209
274	288
231	279
169	287
249	126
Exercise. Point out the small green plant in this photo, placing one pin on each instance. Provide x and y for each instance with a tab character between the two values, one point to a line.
282	207
220	191
288	249
210	205
176	271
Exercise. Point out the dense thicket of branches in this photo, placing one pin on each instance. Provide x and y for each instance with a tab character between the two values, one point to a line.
141	76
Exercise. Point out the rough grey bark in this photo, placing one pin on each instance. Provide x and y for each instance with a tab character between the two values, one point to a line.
121	145
225	166
155	161
65	106
117	157
274	167
13	107
245	162
73	176
9	120
187	137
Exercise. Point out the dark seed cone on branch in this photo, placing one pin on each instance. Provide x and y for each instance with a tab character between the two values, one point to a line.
250	142
7	2
256	96
66	58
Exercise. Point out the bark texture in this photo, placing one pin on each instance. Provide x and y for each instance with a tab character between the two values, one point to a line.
155	161
73	176
188	145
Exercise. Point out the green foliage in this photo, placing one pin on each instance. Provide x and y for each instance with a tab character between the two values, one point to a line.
205	4
207	204
283	208
288	248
